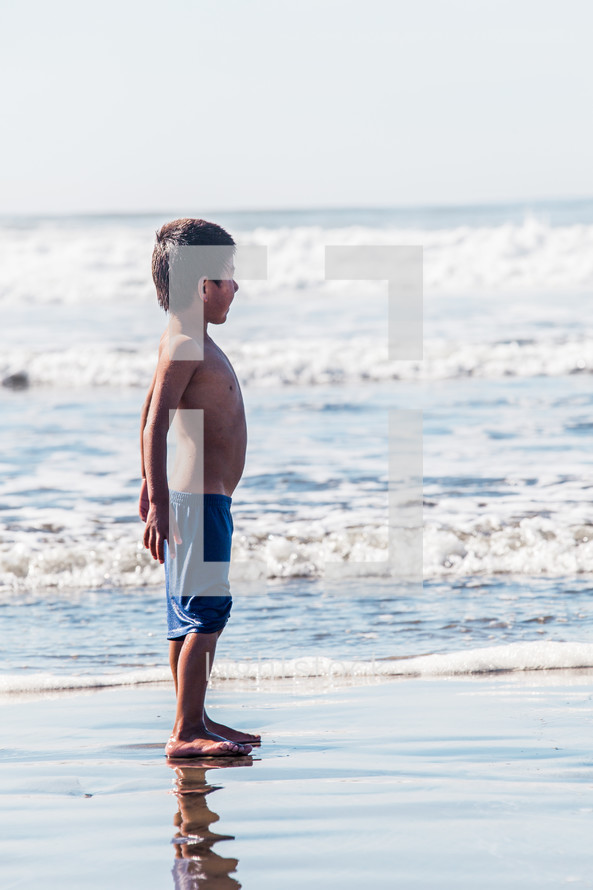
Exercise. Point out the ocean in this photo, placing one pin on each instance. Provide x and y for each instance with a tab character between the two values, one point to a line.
505	391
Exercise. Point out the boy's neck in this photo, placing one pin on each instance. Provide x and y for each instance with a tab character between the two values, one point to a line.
190	323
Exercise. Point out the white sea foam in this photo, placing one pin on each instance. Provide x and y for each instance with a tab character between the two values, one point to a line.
484	545
529	656
61	263
531	255
35	564
77	366
526	656
309	362
48	682
490	545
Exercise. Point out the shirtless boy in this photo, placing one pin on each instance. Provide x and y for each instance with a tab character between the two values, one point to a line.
199	387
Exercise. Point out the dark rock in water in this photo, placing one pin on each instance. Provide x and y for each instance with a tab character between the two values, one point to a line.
20	380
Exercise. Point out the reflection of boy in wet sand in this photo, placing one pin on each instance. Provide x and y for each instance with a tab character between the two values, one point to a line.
199	384
197	864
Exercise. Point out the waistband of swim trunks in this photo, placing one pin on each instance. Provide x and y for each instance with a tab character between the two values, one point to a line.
188	498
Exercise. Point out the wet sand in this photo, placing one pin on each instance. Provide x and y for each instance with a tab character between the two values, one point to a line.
414	783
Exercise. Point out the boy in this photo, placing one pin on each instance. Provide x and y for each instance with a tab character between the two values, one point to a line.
198	384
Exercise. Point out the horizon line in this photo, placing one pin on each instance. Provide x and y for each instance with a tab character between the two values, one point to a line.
324	208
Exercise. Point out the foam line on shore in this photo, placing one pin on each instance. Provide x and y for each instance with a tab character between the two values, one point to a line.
527	656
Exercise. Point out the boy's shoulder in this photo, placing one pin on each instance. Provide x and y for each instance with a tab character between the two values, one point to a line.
179	347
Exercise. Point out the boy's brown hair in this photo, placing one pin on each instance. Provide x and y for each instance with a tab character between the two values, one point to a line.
179	232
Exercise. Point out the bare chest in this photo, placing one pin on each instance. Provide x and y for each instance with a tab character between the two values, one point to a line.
214	387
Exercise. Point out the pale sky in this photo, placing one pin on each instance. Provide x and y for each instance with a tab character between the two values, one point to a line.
230	104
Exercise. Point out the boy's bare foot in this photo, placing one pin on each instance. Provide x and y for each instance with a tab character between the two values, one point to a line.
205	744
233	735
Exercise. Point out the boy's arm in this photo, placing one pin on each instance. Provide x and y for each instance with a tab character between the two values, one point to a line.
143	503
171	379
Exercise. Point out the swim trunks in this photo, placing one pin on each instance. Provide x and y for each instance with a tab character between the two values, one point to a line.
197	578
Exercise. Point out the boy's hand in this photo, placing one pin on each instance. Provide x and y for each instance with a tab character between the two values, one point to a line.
143	503
157	532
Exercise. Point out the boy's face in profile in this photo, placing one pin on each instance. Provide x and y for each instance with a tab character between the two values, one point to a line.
218	298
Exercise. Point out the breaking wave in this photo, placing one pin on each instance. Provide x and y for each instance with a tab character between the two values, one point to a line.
309	362
485	546
54	262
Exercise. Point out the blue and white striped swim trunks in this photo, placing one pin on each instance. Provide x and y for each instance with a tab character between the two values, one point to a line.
197	578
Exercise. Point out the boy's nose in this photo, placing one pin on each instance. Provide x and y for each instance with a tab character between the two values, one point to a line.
235	285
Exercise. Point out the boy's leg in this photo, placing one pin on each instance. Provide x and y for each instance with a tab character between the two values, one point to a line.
175	647
174	653
226	732
190	736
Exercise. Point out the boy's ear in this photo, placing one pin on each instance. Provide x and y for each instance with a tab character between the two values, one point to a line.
202	288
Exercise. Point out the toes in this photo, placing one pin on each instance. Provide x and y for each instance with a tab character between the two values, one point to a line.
238	747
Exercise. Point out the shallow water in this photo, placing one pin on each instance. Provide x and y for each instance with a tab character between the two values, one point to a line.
505	392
